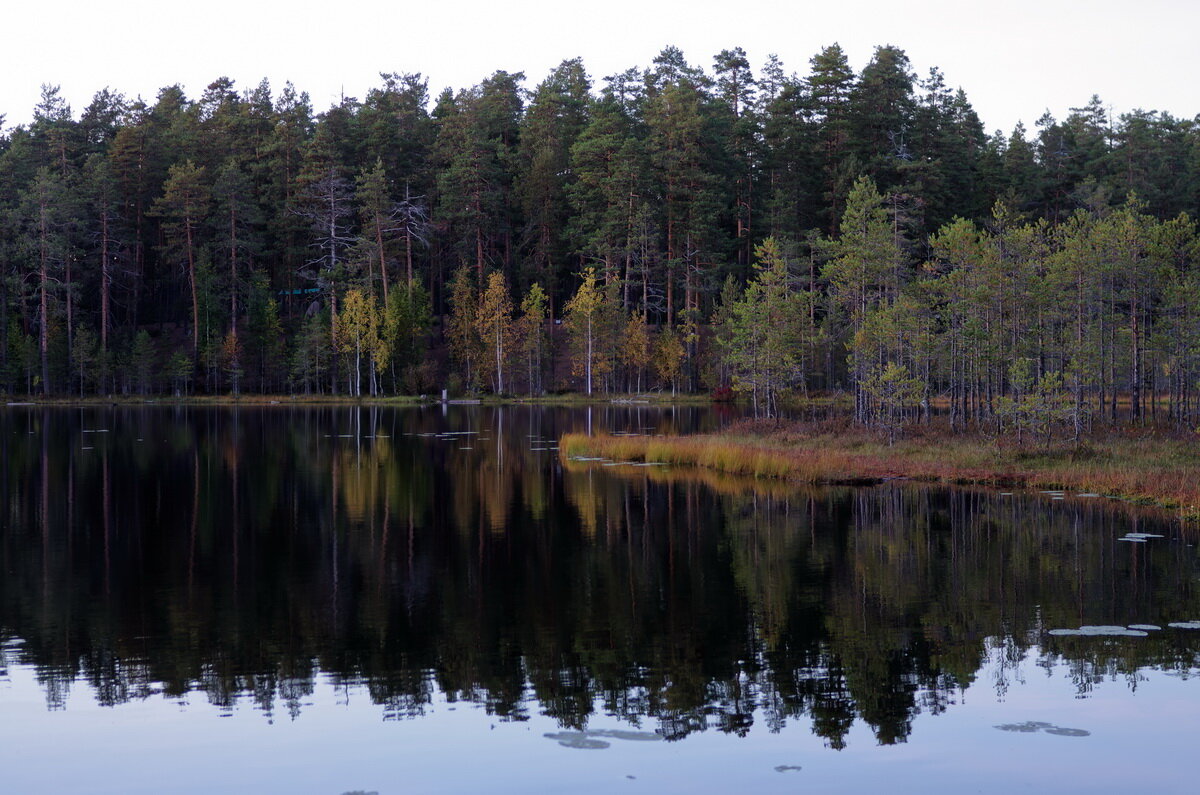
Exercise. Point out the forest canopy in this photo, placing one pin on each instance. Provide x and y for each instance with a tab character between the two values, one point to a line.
694	228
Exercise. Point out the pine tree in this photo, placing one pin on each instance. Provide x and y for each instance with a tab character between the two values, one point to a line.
379	221
236	233
866	271
182	207
890	391
764	334
45	242
553	122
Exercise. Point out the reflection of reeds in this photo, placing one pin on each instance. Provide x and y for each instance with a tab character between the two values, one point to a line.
1166	472
738	457
719	481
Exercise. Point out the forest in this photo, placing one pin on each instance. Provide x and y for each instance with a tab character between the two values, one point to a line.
763	233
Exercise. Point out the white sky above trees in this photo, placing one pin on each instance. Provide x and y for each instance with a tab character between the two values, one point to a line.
1015	59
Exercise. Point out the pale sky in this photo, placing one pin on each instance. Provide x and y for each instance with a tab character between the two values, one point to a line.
1014	58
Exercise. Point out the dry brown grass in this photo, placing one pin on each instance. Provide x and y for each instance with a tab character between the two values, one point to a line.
1148	467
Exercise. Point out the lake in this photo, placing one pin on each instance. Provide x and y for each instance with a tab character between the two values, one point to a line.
343	599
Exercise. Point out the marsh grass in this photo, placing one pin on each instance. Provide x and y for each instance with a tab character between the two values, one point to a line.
1151	468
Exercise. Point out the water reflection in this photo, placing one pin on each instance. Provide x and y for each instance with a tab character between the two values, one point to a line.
240	555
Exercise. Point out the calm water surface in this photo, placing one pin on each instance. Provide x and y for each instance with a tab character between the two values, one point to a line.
415	600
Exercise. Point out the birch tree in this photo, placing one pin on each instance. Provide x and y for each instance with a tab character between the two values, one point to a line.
582	316
494	325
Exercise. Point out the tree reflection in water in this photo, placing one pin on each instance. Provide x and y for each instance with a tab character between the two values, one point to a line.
243	553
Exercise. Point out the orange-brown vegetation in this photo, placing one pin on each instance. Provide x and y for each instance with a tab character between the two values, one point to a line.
1149	466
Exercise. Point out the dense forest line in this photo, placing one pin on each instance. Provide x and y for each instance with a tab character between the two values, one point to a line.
722	229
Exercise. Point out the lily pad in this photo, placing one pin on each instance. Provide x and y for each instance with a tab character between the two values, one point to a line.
1185	624
786	768
1112	630
1062	731
1150	627
1102	630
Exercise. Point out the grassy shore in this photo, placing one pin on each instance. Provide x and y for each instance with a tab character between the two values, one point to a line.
1144	466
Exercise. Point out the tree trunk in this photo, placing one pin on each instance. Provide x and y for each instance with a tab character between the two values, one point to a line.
191	255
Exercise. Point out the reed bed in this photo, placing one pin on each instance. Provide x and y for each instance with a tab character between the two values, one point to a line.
1162	471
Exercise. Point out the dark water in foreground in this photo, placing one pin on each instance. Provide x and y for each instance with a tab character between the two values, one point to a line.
334	599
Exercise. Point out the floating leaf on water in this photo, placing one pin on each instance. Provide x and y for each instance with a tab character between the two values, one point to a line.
1112	630
1031	726
1151	627
1006	494
1185	624
1087	495
786	768
1133	540
1027	727
624	734
1064	632
1058	497
577	740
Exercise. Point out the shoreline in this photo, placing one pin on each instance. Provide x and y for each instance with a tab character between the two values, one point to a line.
1148	470
570	399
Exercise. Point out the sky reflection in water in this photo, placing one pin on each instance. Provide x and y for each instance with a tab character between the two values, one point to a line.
327	600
